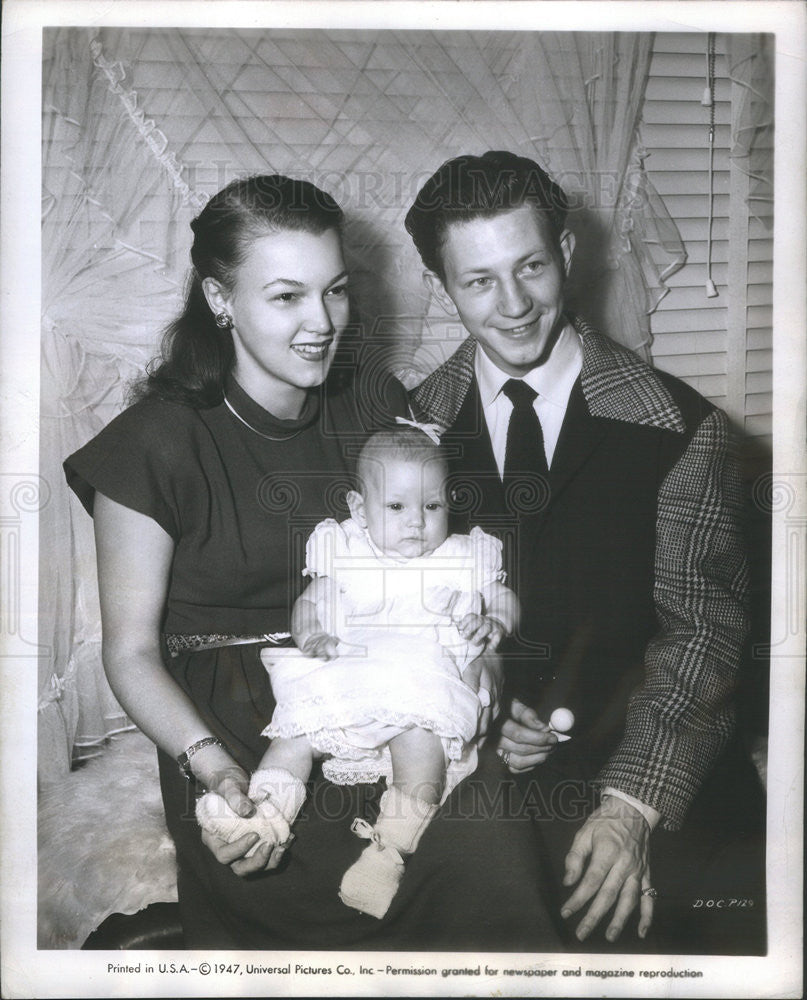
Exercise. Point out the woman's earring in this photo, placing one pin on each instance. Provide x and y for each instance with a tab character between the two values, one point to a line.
224	321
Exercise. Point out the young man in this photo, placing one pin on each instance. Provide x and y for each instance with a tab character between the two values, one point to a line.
614	489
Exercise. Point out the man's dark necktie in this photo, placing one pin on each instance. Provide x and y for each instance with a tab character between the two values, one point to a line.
525	440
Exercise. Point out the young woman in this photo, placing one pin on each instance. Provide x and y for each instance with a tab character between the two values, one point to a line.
203	492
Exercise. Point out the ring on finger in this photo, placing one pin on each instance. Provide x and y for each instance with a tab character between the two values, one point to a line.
505	756
650	891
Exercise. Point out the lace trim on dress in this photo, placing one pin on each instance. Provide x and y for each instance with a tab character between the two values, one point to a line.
341	772
328	737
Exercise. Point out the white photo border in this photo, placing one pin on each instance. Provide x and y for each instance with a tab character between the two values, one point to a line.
27	972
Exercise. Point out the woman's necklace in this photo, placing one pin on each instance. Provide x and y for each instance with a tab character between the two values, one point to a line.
269	437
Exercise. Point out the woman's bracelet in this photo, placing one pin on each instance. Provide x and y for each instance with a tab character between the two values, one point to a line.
184	759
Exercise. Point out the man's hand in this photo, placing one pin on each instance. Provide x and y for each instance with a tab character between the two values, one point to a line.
485	674
525	740
616	840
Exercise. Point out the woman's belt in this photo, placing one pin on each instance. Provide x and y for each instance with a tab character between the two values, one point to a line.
178	643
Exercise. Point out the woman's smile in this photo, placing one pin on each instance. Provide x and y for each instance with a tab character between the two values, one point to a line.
313	352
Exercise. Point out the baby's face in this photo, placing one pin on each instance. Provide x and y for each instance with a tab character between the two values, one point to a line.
405	507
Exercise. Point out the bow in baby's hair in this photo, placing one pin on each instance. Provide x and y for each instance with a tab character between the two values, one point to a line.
430	430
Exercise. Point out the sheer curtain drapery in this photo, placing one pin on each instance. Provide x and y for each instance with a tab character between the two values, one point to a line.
581	98
140	126
750	66
108	283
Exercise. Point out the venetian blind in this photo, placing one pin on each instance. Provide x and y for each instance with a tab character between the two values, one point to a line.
720	345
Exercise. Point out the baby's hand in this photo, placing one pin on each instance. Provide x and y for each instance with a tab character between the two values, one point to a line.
482	630
321	645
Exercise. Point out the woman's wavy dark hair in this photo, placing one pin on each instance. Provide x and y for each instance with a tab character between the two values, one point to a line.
196	355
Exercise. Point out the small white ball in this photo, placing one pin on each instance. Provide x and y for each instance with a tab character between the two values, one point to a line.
561	720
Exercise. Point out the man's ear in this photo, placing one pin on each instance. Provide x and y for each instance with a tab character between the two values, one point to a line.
355	503
217	296
435	285
567	249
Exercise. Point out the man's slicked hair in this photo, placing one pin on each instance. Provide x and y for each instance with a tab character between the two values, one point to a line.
473	187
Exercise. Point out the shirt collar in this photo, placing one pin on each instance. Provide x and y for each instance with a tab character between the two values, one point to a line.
553	380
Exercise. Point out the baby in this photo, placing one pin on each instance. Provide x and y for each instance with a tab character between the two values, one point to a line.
395	612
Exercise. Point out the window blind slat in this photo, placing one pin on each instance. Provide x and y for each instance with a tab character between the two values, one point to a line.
689	329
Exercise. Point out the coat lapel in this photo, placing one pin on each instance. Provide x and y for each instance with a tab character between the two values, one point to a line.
471	455
619	386
580	436
440	396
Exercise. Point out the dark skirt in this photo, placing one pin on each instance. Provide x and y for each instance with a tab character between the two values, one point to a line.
475	883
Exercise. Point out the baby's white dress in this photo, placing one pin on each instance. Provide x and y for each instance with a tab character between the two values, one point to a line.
400	656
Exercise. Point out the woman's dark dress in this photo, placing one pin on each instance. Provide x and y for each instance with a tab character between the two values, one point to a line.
239	507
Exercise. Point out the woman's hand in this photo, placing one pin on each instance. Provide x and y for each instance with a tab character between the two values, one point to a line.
525	740
218	772
234	854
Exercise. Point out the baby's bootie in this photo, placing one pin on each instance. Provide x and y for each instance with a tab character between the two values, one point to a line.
278	796
370	884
